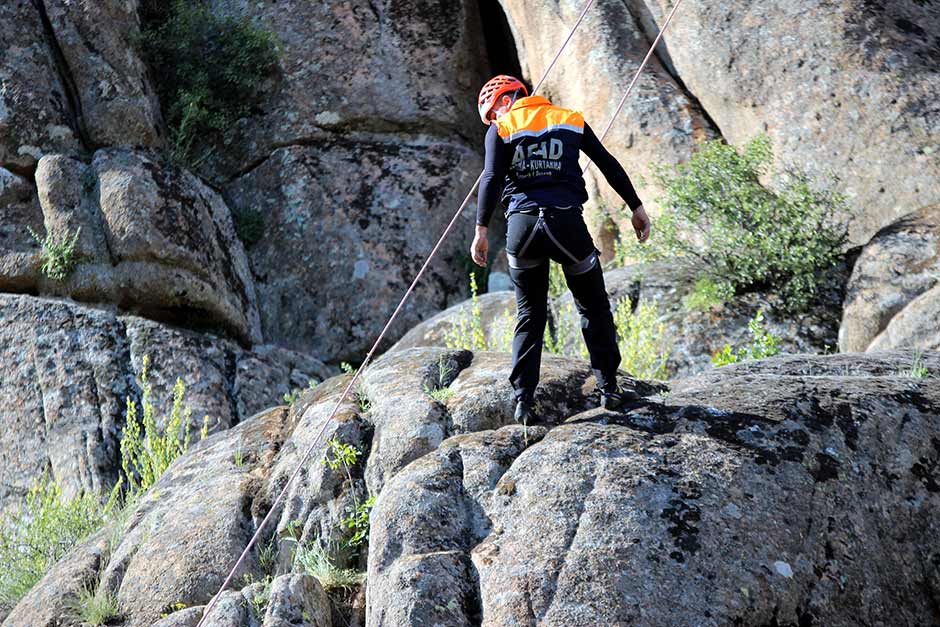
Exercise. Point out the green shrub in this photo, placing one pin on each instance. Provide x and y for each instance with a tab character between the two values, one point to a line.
57	255
343	456
209	71
763	344
706	293
918	370
40	531
723	224
45	526
644	349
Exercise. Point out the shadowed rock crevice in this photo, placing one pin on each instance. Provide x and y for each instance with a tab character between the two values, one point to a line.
74	110
648	27
500	44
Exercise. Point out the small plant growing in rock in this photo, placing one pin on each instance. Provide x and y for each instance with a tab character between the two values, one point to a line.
440	391
174	607
249	224
57	255
146	452
763	344
358	521
343	456
314	559
918	369
643	346
258	597
94	605
467	332
721	223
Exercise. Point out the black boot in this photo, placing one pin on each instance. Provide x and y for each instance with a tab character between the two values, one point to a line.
613	397
525	412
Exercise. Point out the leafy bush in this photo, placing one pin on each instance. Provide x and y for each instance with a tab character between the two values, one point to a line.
42	530
343	456
706	293
209	71
724	225
644	349
763	344
57	255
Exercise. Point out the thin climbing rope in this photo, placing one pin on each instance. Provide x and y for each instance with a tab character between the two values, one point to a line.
401	303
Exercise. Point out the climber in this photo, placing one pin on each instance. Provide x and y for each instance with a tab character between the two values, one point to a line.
531	165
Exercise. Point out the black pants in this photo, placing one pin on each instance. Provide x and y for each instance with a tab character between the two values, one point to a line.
560	235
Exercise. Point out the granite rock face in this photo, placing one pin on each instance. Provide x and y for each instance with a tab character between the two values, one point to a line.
797	488
36	116
895	272
744	497
69	370
116	103
354	239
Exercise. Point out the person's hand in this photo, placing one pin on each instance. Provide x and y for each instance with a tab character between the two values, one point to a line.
641	223
480	246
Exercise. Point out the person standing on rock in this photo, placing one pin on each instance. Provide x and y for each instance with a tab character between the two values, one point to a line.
531	165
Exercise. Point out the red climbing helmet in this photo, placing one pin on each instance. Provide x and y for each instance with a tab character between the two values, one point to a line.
494	88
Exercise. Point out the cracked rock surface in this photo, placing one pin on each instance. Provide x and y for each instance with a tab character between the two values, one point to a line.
798	490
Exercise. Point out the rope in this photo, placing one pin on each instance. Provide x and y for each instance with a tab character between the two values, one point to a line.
352	382
404	298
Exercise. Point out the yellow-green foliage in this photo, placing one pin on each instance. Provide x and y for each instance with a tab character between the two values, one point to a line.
706	293
41	530
644	349
45	525
467	331
93	605
146	452
763	344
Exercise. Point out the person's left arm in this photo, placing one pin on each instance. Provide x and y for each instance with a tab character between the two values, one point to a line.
618	179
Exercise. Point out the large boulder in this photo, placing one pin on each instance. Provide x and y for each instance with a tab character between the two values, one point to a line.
154	239
69	370
662	121
349	224
797	490
897	268
35	114
742	495
866	106
116	103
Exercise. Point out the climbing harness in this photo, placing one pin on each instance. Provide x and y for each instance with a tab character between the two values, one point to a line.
352	382
575	267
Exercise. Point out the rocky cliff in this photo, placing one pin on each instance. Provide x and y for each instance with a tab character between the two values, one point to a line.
797	490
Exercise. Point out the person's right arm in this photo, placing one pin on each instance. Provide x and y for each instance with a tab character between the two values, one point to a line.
491	186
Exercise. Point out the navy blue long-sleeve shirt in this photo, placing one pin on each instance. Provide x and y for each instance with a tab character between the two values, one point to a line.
499	157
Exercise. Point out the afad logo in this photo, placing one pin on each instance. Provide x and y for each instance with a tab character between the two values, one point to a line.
540	156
